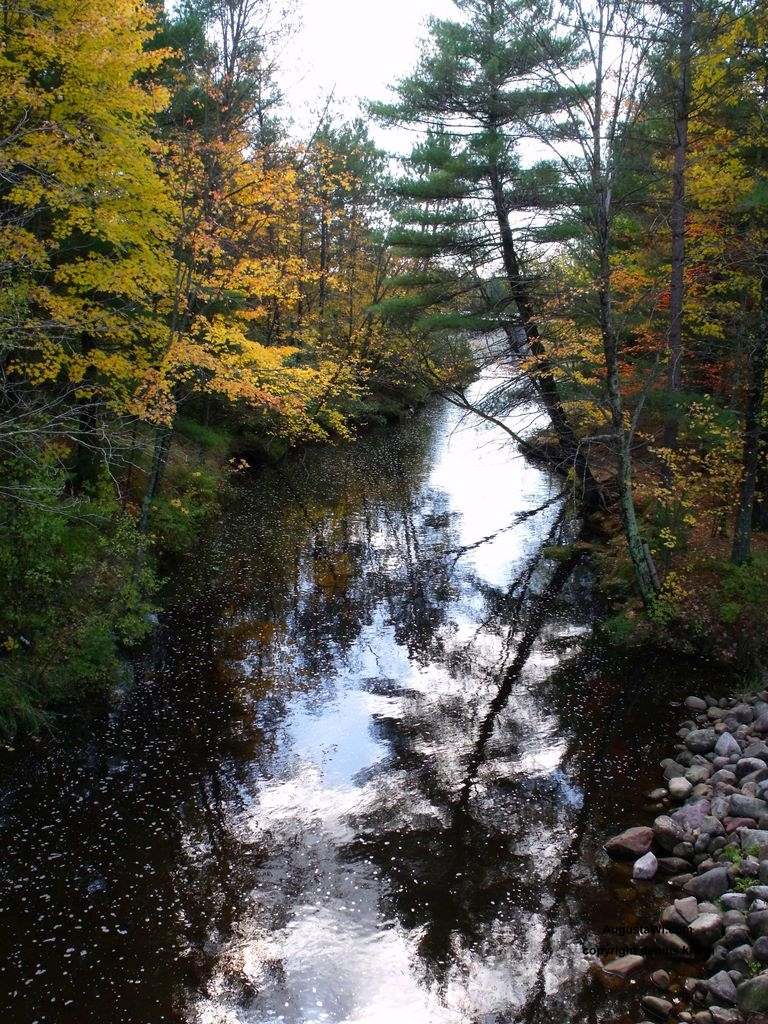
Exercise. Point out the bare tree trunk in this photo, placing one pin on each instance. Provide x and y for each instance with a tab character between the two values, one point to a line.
644	571
543	378
160	450
760	513
677	222
742	536
323	271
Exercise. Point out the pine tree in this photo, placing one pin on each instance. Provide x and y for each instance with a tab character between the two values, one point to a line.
469	200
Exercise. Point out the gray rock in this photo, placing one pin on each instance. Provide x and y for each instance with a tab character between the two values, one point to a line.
740	957
734	901
706	929
695	704
734	917
726	745
683	851
690	816
754	837
746	766
673	770
747	806
723	775
701	741
632	843
680	788
667	832
735	935
710	885
702	843
705	907
712	826
725	1015
743	713
722	988
701	791
757	892
720	806
760	949
687	908
699	773
763	871
753	994
750	867
645	867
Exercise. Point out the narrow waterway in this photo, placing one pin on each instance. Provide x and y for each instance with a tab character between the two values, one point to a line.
365	776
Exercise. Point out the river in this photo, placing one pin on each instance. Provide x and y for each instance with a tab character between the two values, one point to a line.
363	777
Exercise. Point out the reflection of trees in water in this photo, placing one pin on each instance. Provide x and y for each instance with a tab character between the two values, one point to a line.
456	878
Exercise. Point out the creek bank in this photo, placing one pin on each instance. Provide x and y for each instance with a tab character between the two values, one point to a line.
711	848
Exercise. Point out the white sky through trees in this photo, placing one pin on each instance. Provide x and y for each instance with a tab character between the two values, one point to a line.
358	47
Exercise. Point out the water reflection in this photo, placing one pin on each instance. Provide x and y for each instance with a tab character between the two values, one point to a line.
357	781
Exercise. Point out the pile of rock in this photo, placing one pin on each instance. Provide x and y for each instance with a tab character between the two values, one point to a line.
713	848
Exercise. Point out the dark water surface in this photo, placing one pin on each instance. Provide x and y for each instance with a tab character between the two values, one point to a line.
365	778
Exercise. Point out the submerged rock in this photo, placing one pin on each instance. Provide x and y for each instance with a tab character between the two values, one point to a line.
624	965
661	980
657	1007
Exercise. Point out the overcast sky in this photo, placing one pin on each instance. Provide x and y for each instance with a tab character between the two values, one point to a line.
357	46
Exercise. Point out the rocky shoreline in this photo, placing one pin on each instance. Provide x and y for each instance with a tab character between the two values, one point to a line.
711	847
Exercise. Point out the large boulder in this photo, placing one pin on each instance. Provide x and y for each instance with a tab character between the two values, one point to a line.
632	843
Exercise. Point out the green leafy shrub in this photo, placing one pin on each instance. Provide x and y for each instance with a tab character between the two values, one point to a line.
70	595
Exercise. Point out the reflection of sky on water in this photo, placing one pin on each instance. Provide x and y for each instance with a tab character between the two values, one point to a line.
381	758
